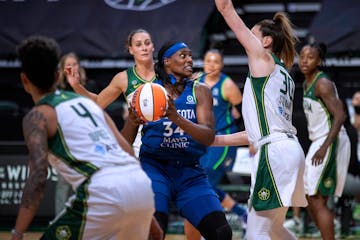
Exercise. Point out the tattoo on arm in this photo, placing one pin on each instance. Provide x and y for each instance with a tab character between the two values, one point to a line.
35	134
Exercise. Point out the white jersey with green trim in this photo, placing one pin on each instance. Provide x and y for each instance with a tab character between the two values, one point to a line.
319	119
268	103
84	142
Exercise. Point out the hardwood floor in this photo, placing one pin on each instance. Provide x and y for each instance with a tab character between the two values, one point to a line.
36	236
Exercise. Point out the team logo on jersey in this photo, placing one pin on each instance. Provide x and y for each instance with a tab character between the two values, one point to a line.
100	149
134	83
63	233
264	194
328	182
190	99
215	92
138	5
307	105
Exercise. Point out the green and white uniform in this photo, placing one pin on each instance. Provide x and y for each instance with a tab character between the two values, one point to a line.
134	81
329	177
278	166
110	186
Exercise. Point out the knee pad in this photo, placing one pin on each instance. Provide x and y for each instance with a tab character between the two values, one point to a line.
162	219
215	227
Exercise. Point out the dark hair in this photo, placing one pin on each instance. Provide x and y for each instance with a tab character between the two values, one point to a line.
39	57
160	72
216	51
280	29
320	48
131	35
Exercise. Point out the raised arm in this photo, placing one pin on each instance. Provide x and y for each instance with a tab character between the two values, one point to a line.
260	62
108	95
73	78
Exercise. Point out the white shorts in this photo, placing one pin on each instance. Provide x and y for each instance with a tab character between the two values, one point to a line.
117	203
277	174
329	177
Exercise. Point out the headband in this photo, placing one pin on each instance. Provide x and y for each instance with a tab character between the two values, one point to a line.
173	49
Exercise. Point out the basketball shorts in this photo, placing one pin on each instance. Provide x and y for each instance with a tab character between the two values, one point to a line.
115	203
277	173
188	187
329	177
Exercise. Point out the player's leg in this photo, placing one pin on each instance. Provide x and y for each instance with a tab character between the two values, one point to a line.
322	215
161	187
207	215
199	204
268	224
191	233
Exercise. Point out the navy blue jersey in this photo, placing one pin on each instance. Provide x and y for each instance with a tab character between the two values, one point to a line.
164	140
224	121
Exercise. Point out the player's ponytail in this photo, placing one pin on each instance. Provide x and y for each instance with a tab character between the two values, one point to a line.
281	30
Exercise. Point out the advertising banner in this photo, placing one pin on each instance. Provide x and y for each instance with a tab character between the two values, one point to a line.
98	29
13	174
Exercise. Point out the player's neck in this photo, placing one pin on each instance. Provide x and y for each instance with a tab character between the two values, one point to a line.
146	72
311	76
212	79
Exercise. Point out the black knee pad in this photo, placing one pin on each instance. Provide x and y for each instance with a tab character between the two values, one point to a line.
162	219
214	226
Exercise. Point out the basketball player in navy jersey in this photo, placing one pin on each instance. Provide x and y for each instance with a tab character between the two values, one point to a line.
219	160
171	147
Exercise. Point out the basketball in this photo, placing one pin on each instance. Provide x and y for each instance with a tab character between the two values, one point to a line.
150	102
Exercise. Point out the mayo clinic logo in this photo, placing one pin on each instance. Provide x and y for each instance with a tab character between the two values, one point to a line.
138	5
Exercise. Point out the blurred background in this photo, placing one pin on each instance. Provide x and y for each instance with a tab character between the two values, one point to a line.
97	32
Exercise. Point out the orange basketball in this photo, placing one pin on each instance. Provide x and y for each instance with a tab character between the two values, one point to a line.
150	101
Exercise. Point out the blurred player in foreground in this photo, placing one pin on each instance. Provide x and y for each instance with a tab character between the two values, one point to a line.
110	186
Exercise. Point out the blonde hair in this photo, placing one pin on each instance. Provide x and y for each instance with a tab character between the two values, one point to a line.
63	83
280	29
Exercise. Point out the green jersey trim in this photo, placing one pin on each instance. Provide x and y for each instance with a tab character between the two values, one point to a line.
327	182
258	88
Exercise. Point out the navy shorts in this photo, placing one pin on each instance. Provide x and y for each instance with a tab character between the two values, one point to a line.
187	186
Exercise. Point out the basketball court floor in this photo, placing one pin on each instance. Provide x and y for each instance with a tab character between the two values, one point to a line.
36	236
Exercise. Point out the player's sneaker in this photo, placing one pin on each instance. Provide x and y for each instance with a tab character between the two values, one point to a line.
295	225
237	225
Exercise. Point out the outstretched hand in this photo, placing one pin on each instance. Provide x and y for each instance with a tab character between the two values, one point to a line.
72	76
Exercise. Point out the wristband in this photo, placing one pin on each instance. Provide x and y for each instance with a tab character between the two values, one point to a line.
16	233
